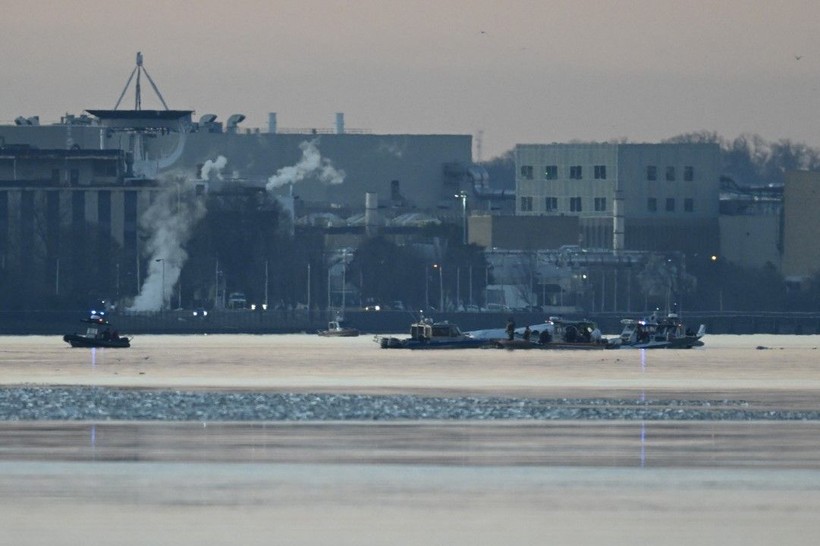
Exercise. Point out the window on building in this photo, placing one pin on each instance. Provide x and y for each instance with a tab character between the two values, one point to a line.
670	204
575	204
55	175
670	173
526	204
689	205
551	172
600	204
600	172
74	176
688	173
526	172
651	172
551	204
105	167
575	172
652	204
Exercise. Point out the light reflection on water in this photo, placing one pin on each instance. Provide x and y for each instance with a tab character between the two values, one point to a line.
567	443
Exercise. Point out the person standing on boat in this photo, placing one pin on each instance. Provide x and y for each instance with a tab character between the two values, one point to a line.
510	329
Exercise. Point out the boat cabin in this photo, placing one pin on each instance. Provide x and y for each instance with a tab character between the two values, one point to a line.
427	329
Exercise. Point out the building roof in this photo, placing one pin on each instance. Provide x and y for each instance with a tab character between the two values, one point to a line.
142	119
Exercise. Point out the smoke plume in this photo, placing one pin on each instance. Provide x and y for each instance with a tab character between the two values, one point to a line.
311	164
215	166
170	220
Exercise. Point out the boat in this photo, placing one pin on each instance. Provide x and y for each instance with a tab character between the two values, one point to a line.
338	328
556	333
98	333
427	334
659	333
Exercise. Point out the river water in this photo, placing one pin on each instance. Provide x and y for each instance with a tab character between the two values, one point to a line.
416	482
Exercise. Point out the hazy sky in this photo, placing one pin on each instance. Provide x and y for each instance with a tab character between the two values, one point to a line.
521	71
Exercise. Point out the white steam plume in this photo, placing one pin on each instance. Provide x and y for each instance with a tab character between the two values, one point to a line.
170	220
311	164
215	166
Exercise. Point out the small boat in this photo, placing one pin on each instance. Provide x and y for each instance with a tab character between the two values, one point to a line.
338	328
426	334
664	333
98	333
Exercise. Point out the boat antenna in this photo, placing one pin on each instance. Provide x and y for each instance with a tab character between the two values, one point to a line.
139	69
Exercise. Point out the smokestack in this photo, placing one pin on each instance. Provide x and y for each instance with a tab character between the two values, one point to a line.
371	207
272	123
340	123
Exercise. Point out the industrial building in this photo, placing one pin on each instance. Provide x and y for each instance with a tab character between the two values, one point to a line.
663	196
801	251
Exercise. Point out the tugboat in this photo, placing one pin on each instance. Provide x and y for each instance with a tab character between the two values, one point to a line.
98	333
426	334
664	333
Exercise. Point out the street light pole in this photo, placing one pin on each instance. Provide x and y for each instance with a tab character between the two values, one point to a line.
426	289
344	277
440	287
462	195
266	285
162	307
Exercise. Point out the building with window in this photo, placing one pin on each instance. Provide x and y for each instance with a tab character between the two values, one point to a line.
666	196
801	201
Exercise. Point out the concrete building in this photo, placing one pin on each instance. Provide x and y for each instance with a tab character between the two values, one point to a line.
652	197
408	171
801	250
752	241
522	232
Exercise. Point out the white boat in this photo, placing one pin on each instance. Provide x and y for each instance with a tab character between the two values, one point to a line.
338	328
664	333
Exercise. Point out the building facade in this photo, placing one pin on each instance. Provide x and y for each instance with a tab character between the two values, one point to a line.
664	196
801	201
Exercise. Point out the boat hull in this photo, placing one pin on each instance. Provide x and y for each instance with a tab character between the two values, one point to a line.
552	345
77	340
418	344
338	333
677	343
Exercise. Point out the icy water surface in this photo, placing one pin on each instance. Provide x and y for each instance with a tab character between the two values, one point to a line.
418	481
